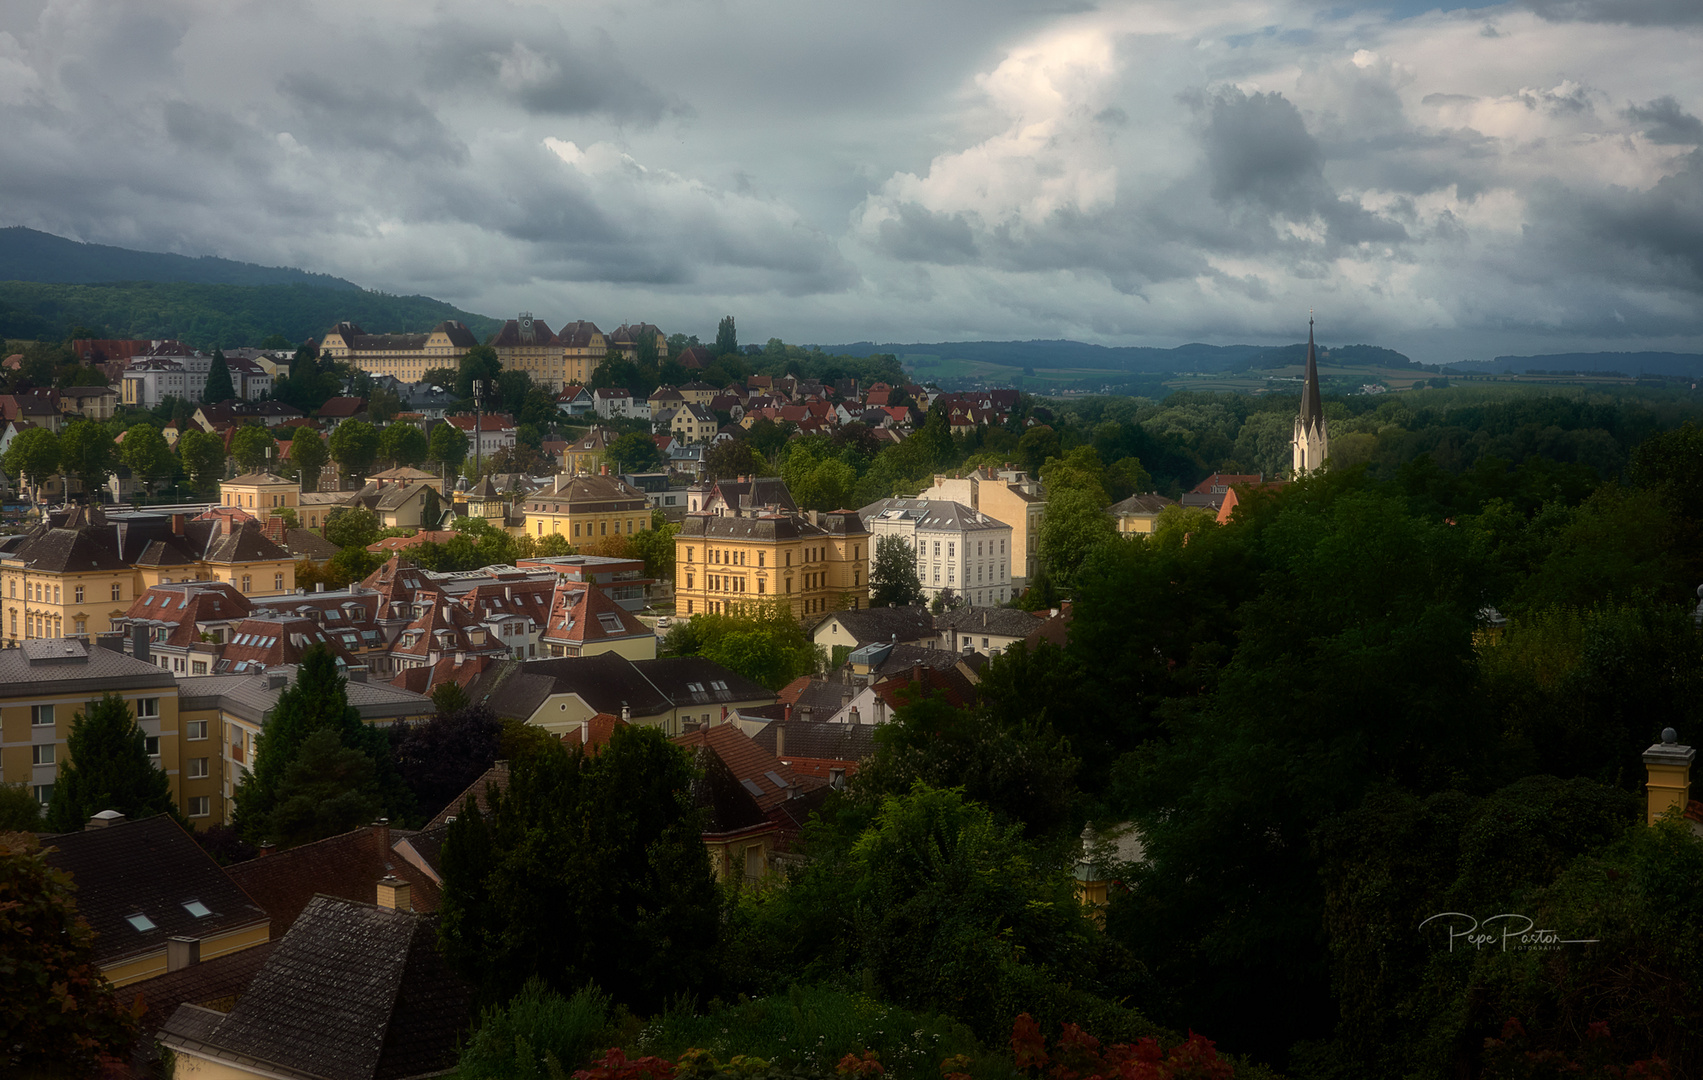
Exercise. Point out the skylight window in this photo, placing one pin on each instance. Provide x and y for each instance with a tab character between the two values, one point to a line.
140	921
201	911
751	786
775	779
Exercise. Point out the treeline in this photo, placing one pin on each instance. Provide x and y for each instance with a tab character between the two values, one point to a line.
211	316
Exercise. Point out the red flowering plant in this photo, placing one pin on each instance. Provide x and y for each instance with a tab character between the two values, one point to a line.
1077	1055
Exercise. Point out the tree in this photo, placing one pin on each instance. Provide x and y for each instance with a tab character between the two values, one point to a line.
354	446
449	698
893	578
611	841
383	406
439	759
734	457
479	363
60	1016
219	386
308	455
448	446
19	810
202	456
351	526
297	792
1075	523
254	448
33	456
109	769
654	545
726	338
87	452
634	452
403	444
145	451
762	641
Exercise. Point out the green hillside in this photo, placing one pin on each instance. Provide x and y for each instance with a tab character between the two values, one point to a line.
30	255
207	316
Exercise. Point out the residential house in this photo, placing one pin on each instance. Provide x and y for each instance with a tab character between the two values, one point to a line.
1005	495
989	630
825	751
495	431
407	357
337	410
38	408
1139	513
348	866
586	454
584	507
737	775
249	379
155	900
92	402
693	423
354	991
622	580
957	549
848	630
585	622
262	494
560	694
661	495
575	400
610	402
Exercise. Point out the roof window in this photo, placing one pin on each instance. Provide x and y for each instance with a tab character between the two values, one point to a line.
201	911
140	921
751	786
774	778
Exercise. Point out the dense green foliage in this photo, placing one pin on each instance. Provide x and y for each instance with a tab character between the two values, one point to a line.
207	316
607	843
19	811
319	770
108	769
763	642
893	580
58	1016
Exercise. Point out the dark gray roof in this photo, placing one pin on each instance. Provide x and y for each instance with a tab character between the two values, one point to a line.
65	665
931	514
352	992
1006	622
819	740
149	868
250	695
692	680
868	625
608	682
1148	503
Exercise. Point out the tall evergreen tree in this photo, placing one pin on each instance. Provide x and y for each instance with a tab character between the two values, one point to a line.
726	337
109	769
219	386
267	806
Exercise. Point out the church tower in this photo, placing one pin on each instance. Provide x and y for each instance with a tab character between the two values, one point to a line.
1310	446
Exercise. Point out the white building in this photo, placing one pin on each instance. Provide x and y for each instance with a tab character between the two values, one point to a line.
956	547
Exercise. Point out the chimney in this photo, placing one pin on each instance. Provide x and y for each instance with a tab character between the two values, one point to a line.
358	673
381	833
182	952
267	847
626	714
319	586
1669	784
139	642
177	524
277	682
105	819
786	714
916	673
395	894
780	736
845	697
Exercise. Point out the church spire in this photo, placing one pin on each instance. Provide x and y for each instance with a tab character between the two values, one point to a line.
1311	445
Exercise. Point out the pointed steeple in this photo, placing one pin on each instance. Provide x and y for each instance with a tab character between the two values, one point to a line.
1312	410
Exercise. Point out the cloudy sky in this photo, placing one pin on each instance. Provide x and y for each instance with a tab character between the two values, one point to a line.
1519	178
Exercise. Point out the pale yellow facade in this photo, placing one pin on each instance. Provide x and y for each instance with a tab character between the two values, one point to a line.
404	363
47	604
814	573
1014	502
212	947
261	494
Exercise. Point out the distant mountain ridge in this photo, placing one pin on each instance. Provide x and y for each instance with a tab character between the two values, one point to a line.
1627	363
30	255
1194	357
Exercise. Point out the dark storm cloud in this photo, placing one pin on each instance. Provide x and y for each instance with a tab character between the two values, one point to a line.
919	234
370	120
1668	123
1258	151
1631	12
1651	239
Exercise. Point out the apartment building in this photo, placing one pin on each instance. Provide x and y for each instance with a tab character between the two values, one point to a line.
739	551
587	507
1007	495
406	357
956	548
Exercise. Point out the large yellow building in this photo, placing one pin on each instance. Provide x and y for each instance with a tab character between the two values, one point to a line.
405	356
260	494
587	508
526	344
727	560
82	568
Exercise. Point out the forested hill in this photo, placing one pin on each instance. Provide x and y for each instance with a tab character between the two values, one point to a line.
214	315
1042	355
1626	363
30	255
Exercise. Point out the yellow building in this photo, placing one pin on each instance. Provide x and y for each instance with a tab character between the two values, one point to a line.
261	494
405	356
526	344
625	340
82	568
693	424
587	508
1006	495
698	392
47	682
583	349
815	561
1139	514
585	455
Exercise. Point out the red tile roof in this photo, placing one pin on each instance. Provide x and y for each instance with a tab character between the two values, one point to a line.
754	767
347	866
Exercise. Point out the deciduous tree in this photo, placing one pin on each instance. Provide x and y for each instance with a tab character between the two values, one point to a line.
893	578
254	448
448	446
308	455
351	526
87	452
354	446
145	451
33	455
202	456
403	444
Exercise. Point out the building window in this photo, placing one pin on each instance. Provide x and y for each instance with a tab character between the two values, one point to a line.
937	549
44	793
118	590
147	707
14	624
42	755
278	581
198	768
688	554
197	729
200	806
56	594
761	584
198	667
603	528
951	550
576	530
151	743
41	715
78	594
247	582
